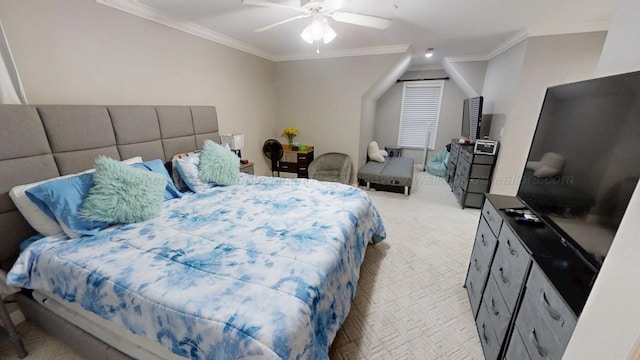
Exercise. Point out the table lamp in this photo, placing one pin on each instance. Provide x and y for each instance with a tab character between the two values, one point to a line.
235	141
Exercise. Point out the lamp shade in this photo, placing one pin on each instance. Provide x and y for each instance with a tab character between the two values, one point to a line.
235	141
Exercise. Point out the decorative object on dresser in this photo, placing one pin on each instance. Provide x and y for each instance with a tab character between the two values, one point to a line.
526	289
469	173
296	161
235	141
290	133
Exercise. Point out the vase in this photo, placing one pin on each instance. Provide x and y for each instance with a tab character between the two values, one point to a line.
290	138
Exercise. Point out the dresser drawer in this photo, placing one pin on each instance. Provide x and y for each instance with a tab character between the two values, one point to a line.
288	167
462	168
499	314
473	200
476	278
485	241
510	266
305	158
480	171
551	308
488	339
538	339
492	216
467	156
458	192
516	349
483	159
478	186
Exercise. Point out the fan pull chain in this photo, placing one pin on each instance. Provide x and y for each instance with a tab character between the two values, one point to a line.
318	47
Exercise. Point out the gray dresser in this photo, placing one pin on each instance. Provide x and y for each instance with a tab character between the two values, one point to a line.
520	312
469	174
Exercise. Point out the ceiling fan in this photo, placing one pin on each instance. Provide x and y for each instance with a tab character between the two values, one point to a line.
319	11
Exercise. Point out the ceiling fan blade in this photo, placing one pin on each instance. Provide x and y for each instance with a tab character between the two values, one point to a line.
281	22
288	4
362	20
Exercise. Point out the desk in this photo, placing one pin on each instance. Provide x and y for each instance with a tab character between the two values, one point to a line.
296	161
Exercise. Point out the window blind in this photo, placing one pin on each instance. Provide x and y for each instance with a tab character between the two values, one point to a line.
420	113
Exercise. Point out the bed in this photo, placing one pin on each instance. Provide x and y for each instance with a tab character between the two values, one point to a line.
266	268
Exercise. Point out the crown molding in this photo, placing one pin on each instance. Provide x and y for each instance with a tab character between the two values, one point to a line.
374	50
516	38
569	29
149	13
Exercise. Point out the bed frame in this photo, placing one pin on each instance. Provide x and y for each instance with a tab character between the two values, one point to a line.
39	142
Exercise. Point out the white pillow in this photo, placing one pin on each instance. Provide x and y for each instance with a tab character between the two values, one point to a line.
383	153
374	152
38	220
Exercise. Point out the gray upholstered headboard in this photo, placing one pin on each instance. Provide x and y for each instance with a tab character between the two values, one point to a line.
39	142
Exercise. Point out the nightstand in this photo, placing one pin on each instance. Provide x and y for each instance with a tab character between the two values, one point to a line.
247	168
394	151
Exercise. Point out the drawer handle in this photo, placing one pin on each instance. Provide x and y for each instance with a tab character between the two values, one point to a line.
475	264
534	338
484	335
496	312
502	277
482	239
512	251
488	216
555	315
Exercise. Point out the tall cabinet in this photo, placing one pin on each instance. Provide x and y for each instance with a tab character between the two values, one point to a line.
469	174
526	288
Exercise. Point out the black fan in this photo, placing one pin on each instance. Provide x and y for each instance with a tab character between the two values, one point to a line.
272	149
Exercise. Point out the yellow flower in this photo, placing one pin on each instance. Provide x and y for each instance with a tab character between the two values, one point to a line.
290	132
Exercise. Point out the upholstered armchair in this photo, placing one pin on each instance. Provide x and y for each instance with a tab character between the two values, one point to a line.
334	167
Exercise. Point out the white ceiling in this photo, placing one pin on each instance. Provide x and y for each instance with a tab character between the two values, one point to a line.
455	28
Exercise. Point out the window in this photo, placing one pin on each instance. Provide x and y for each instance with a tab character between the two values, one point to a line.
420	113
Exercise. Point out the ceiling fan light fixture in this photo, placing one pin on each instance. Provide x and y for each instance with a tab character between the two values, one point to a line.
319	29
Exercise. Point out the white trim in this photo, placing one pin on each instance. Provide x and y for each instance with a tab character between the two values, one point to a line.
136	8
516	38
152	14
458	78
569	29
426	67
374	50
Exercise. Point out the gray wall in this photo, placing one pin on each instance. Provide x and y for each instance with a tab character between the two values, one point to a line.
546	61
80	52
323	99
390	105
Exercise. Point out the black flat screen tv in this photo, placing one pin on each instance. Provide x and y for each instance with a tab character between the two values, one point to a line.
471	114
584	161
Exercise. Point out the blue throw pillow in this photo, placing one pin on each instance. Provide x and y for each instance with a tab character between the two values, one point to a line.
218	165
156	166
188	168
123	194
61	201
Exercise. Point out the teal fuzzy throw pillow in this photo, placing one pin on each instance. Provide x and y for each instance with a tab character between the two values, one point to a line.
123	194
218	165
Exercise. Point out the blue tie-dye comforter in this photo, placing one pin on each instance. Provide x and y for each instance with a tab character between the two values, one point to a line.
263	269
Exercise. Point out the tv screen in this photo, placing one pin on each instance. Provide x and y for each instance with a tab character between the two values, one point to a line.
471	113
584	161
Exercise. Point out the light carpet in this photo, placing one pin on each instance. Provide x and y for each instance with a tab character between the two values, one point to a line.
410	302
